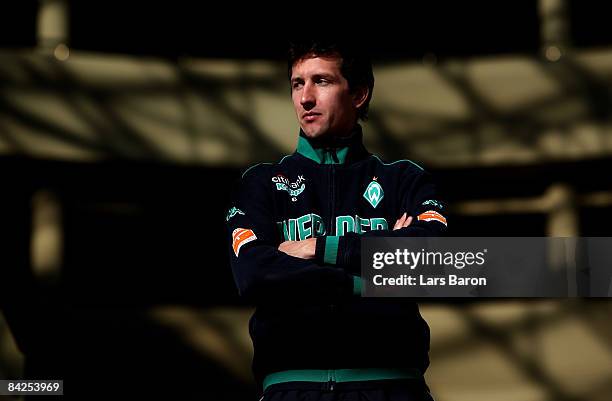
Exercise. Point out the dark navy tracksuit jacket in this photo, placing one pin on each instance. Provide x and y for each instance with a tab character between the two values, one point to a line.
308	314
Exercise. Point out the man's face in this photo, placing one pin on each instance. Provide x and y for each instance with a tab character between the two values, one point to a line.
323	102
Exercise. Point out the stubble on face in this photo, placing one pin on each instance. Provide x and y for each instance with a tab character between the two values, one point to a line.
321	97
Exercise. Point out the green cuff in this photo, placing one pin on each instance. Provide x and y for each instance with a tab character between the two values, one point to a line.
331	250
357	285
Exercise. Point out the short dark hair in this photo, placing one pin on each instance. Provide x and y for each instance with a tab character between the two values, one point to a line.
356	65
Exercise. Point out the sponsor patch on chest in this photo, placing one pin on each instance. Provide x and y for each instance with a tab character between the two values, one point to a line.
294	189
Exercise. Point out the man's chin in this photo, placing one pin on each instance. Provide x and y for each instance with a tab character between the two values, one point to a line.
318	132
313	133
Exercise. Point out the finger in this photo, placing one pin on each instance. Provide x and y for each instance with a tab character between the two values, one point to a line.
400	222
407	222
284	245
397	224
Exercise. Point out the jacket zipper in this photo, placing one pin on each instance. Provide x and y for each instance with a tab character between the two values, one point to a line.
332	191
332	231
331	380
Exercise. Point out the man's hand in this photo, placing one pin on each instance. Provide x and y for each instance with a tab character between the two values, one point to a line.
304	249
402	222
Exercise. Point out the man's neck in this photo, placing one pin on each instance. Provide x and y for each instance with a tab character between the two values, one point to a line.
332	140
336	150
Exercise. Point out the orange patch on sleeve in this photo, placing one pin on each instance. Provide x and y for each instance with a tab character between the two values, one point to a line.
432	215
241	236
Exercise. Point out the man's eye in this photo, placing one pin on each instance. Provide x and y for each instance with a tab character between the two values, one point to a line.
297	85
322	81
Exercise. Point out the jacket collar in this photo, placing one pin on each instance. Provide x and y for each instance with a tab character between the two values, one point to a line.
345	150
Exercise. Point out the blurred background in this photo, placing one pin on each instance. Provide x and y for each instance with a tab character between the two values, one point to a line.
124	126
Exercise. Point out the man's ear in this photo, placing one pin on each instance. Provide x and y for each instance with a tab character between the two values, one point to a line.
360	96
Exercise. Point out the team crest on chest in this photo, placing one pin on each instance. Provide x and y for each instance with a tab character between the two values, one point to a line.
374	193
294	189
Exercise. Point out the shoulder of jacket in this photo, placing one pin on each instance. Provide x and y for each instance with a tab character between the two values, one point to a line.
261	168
404	164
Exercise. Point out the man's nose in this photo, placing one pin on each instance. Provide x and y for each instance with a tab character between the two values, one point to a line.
308	99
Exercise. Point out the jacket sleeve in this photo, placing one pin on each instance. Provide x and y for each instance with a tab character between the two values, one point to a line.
418	198
262	272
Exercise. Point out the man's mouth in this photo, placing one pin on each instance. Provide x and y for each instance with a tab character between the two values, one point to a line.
308	117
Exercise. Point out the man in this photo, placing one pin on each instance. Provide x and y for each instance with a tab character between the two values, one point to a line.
295	228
